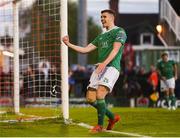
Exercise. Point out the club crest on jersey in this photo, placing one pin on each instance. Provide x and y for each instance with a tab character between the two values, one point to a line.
106	80
100	38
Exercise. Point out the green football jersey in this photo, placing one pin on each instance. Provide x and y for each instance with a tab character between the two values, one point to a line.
104	42
166	68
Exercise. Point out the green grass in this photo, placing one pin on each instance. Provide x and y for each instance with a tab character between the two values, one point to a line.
143	121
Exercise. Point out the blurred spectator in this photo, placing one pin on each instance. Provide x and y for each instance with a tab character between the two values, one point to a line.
6	85
118	88
177	89
153	78
28	82
79	76
44	67
79	80
153	84
53	86
131	86
142	80
71	83
41	77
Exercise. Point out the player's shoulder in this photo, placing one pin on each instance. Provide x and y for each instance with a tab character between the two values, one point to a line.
171	61
119	29
159	61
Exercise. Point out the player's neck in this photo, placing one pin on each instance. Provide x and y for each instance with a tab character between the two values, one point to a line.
165	60
110	27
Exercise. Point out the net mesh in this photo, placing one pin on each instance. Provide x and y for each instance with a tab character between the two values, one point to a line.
6	55
39	26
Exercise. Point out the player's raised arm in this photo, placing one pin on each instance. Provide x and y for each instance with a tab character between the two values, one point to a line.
90	47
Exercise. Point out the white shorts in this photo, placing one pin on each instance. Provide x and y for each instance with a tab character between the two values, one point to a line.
170	83
107	78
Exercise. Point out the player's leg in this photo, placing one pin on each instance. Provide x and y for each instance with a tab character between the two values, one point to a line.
91	99
101	107
171	84
92	89
102	91
167	99
164	88
103	110
91	96
106	83
172	98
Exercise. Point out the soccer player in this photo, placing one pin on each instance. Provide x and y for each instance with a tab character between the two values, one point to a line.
167	70
110	45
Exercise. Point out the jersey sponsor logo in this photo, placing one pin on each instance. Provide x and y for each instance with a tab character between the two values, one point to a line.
104	44
106	80
120	36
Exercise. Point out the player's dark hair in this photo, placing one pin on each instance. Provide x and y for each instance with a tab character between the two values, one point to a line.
109	11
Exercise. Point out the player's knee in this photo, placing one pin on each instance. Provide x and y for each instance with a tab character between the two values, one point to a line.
102	92
91	95
90	99
171	91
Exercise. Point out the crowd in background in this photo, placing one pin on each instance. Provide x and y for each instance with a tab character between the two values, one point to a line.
42	81
133	81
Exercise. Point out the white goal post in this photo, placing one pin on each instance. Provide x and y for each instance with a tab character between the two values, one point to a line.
64	62
16	57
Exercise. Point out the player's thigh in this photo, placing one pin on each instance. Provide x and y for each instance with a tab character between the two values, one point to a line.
171	90
91	95
171	84
94	79
102	91
164	86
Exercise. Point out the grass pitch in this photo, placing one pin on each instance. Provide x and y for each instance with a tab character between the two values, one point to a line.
142	121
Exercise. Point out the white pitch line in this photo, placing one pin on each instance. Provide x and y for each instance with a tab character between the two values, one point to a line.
35	118
79	124
2	112
111	131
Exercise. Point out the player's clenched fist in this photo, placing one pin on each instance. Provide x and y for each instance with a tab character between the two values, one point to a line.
65	39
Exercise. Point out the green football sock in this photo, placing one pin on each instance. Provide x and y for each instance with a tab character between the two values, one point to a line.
167	101
101	109
108	113
173	100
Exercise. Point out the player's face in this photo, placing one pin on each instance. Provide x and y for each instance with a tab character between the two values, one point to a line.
165	57
106	19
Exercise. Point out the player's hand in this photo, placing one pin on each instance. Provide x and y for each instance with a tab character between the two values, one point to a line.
65	39
175	77
100	68
163	78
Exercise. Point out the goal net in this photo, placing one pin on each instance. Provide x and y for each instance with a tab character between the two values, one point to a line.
39	54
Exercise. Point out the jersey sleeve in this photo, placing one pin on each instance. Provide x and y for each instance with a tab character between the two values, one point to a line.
95	41
120	37
173	62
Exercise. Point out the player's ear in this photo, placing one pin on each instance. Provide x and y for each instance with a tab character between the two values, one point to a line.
112	17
